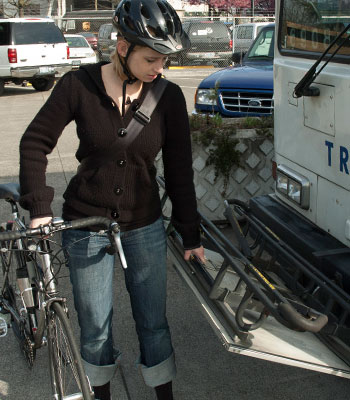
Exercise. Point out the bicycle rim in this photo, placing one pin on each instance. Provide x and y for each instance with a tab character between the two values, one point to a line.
67	372
10	259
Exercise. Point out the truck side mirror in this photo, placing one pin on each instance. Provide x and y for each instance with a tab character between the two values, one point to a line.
237	57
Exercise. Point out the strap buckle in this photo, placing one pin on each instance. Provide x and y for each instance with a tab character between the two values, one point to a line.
141	117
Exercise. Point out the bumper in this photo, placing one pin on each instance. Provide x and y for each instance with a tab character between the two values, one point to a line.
37	71
209	56
76	63
203	109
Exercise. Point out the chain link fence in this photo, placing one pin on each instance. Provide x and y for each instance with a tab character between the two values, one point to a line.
213	39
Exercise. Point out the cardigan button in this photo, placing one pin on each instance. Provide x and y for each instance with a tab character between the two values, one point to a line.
118	191
115	214
122	132
121	163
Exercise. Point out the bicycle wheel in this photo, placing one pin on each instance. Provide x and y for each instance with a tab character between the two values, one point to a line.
67	372
11	259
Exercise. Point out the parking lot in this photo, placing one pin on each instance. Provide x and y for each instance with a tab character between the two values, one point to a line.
206	371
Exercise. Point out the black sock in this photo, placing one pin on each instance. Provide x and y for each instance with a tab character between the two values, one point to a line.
164	392
103	392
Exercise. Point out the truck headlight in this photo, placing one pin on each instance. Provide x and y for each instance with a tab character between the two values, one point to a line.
206	97
293	186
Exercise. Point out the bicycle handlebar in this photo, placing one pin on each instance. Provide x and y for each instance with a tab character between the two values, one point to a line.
60	225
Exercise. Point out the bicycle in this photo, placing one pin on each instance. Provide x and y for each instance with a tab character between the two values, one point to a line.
29	294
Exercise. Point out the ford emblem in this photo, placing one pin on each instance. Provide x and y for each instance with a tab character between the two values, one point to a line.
254	103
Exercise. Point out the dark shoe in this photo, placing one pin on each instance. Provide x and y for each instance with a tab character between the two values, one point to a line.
164	392
102	392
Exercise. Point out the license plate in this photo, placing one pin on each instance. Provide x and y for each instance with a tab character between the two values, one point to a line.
76	62
209	55
46	70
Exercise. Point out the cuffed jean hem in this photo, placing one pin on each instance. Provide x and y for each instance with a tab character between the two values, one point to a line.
159	374
100	374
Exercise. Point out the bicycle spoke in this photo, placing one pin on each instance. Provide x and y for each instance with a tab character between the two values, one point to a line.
68	374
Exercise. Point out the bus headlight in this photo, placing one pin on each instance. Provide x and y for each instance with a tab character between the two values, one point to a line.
293	186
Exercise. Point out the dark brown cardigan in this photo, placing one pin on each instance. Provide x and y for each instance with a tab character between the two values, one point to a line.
125	188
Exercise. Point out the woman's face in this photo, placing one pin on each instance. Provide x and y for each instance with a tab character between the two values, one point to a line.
145	64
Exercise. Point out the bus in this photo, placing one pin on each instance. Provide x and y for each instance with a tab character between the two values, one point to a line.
277	285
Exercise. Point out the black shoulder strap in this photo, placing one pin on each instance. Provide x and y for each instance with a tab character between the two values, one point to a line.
143	114
141	118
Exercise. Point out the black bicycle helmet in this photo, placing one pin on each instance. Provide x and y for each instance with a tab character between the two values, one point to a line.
151	23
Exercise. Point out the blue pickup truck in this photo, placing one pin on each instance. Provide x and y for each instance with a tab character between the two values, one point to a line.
246	89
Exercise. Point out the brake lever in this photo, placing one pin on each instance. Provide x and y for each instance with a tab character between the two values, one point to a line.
118	242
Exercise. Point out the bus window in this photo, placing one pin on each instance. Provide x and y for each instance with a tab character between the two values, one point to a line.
309	26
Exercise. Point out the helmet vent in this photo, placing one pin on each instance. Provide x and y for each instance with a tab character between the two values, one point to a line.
145	12
162	7
127	6
129	23
170	27
155	33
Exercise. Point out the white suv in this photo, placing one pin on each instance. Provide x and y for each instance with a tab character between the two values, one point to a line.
32	50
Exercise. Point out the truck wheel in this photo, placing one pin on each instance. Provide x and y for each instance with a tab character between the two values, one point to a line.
43	84
181	60
2	86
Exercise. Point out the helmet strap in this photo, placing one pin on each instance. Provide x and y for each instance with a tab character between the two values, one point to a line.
127	72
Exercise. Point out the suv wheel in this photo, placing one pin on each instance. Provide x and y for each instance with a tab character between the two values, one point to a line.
2	86
43	84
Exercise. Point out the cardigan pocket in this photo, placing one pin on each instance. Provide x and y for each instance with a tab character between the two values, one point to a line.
95	187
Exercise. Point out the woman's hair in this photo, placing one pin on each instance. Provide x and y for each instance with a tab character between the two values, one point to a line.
116	60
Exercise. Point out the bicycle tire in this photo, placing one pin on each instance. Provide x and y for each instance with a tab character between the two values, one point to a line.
67	372
10	258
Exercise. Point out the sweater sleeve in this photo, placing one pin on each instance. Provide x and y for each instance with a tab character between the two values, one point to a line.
178	172
38	141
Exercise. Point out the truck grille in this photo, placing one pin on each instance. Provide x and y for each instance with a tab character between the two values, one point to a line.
260	102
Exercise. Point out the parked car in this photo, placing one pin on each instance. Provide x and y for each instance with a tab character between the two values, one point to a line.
106	41
245	89
32	50
210	43
80	52
91	38
244	35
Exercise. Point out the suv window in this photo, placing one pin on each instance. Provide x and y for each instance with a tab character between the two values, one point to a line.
4	34
105	31
108	30
33	33
208	30
245	32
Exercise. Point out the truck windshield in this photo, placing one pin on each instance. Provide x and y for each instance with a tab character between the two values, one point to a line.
308	27
263	46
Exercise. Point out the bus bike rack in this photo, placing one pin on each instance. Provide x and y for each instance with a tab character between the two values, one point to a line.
252	293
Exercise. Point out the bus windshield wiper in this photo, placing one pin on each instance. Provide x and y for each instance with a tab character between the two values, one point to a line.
303	87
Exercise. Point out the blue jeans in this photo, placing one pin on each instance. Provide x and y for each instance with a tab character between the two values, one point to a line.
91	272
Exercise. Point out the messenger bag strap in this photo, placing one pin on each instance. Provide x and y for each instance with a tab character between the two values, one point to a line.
143	114
141	118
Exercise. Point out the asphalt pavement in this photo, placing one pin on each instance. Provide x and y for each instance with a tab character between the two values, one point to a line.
206	371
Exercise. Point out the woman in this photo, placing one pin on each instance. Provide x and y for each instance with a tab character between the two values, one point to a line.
102	99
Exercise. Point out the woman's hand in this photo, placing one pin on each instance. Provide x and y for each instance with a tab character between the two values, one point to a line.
35	222
199	252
